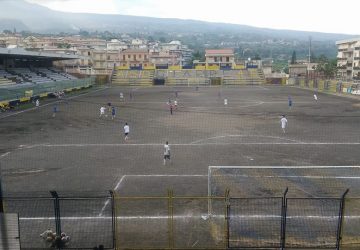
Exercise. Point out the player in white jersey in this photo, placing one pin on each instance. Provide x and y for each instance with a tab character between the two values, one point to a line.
166	152
102	111
283	122
315	97
126	131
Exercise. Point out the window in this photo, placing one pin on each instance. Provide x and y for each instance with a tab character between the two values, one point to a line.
129	56
123	57
228	59
88	53
134	57
139	56
108	57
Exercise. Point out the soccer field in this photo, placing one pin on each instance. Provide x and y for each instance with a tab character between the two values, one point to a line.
78	152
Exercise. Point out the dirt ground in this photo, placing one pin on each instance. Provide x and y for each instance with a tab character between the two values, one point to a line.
79	152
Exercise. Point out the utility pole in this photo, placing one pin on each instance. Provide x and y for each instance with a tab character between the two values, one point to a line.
309	50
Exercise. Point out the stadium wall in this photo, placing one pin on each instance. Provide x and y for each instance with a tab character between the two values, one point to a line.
326	86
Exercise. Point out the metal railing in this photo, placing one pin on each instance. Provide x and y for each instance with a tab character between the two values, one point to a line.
185	222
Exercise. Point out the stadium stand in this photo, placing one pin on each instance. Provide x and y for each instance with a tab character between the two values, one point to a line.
133	77
188	77
35	75
241	77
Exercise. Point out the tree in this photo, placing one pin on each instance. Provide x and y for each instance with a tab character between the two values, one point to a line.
257	57
326	66
293	57
7	32
199	56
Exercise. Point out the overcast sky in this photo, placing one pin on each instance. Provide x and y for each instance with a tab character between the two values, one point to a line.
310	15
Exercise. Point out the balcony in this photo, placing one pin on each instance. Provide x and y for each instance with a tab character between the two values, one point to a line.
357	58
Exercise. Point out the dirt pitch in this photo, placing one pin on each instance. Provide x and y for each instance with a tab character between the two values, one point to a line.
79	152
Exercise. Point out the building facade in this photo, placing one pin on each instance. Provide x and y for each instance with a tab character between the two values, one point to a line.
220	57
349	59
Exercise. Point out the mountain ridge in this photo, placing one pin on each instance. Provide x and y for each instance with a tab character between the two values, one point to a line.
37	18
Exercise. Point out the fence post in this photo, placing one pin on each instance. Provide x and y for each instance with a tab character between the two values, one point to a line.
113	217
341	220
283	219
227	219
1	194
55	195
171	219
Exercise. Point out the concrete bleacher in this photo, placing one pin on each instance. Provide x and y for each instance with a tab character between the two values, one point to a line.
243	77
6	78
133	77
35	75
188	77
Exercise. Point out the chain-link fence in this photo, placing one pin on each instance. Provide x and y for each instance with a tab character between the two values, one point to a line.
177	222
88	221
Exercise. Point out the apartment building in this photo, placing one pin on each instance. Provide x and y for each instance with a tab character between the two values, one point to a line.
349	58
220	57
134	58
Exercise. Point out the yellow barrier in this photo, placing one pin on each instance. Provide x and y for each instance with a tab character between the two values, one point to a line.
238	67
29	93
4	105
44	95
24	99
200	67
122	67
175	67
149	68
212	67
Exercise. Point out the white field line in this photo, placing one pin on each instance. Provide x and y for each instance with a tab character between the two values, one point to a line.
5	154
291	176
282	167
256	136
261	87
162	217
142	175
108	201
191	144
51	103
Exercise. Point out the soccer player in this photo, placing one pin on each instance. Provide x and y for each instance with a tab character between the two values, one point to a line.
113	113
290	102
166	152
126	131
175	104
37	103
225	102
102	111
176	93
109	106
121	95
315	97
54	110
283	122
